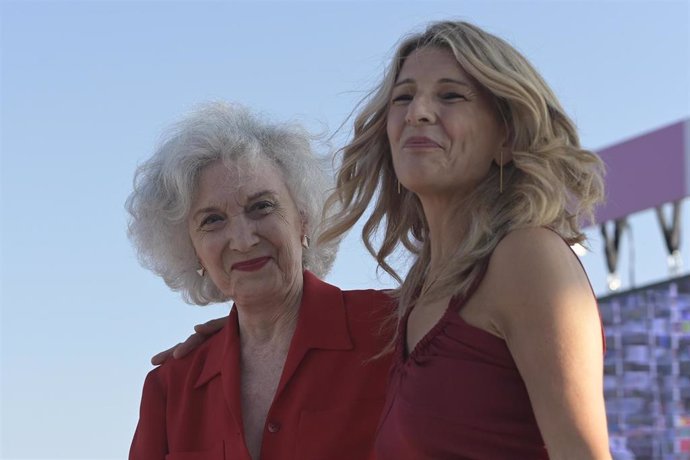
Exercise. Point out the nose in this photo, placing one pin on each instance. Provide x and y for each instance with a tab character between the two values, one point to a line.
420	111
242	234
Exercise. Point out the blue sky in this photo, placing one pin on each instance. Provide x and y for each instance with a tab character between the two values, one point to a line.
88	87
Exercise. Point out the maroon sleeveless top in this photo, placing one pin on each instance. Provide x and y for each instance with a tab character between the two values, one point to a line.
458	395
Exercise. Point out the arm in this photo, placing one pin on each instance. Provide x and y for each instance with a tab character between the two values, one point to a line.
150	438
547	313
201	333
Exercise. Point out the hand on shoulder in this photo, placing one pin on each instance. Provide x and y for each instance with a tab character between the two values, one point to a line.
202	332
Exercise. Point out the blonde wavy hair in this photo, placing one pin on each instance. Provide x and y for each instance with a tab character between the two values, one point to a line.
551	181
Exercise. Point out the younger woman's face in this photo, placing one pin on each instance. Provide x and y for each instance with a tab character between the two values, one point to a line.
443	129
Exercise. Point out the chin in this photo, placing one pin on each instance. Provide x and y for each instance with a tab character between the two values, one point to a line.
420	184
264	283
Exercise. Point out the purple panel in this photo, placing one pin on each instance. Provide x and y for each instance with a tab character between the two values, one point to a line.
646	171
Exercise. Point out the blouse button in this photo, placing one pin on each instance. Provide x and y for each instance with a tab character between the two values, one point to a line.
274	427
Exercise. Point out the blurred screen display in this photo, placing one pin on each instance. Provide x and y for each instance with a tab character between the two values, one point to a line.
647	371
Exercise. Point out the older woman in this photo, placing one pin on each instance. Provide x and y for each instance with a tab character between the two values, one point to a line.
225	210
478	171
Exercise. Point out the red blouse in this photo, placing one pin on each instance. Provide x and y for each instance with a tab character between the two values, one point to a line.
458	395
328	400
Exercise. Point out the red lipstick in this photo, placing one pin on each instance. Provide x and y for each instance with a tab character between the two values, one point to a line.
251	265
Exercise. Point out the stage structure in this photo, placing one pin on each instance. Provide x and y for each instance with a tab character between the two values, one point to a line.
647	363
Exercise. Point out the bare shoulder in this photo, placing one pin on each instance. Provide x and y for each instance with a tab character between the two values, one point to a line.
536	275
538	259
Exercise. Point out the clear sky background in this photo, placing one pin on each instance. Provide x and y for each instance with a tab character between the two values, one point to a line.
87	87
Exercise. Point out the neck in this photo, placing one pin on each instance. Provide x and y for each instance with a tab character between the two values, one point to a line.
268	326
443	237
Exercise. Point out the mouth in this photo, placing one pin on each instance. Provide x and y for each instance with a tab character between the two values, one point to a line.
421	142
251	265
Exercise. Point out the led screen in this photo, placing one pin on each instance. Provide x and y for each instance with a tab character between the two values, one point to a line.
647	371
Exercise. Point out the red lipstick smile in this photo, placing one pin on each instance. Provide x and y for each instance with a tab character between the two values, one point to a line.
421	142
251	265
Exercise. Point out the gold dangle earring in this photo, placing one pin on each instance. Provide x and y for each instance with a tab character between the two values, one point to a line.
398	182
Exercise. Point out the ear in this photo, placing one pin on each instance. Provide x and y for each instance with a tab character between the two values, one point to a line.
504	152
504	155
304	226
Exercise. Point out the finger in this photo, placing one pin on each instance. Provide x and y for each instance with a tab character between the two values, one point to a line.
210	327
193	341
163	356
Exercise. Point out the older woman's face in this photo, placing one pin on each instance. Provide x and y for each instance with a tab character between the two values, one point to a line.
443	129
246	231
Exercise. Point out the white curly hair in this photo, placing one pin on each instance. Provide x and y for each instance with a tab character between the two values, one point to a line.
164	187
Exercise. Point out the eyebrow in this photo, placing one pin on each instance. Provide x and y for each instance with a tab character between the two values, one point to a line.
252	197
442	80
256	195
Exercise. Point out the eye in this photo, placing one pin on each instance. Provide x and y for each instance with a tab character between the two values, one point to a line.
401	98
452	96
261	208
210	219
